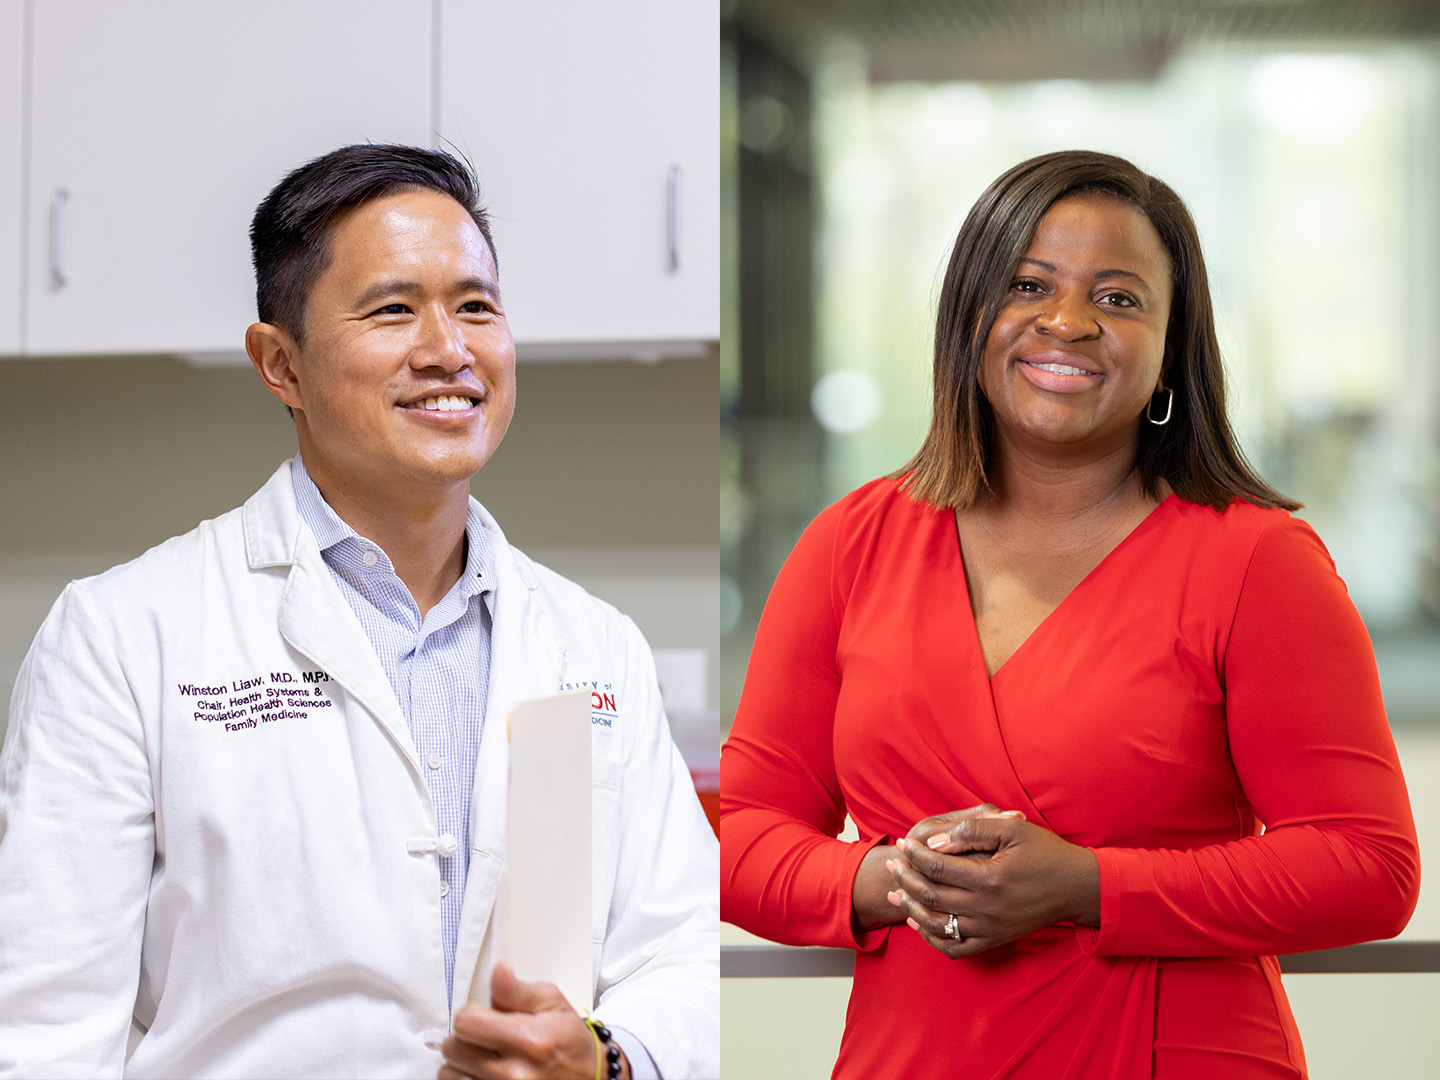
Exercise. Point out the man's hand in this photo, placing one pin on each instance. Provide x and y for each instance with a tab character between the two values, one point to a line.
530	1031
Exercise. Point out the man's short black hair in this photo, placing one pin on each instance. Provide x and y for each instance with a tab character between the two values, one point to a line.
290	235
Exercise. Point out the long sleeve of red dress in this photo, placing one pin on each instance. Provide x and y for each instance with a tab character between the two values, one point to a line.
1209	678
1314	757
785	874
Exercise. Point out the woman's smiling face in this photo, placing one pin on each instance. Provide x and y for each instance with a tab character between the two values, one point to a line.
1079	343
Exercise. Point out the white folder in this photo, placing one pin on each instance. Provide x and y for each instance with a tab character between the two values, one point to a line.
542	913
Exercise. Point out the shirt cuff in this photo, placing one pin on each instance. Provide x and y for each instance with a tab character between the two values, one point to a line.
642	1065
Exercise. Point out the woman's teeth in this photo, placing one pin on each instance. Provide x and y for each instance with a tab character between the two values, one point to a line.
443	404
1061	369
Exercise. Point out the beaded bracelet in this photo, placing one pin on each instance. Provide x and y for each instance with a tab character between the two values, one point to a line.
607	1054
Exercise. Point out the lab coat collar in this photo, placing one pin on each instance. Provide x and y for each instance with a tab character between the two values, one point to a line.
274	531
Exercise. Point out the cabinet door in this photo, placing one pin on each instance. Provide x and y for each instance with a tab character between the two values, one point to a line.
574	114
12	68
158	125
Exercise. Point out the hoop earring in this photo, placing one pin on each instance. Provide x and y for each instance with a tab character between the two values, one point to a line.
1169	405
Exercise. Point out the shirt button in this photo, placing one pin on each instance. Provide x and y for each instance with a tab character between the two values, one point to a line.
444	888
434	761
369	558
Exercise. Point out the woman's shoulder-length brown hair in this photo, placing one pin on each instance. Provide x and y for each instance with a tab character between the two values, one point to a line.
1195	453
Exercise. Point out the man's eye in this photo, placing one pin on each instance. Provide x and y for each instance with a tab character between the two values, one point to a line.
475	307
391	309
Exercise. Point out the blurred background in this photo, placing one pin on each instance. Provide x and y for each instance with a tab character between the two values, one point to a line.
1305	137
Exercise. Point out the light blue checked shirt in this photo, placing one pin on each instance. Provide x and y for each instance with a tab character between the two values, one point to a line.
441	694
431	664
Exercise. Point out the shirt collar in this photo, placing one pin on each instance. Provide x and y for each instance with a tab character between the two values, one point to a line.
330	531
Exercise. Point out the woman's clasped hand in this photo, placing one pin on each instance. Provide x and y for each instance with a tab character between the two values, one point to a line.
973	879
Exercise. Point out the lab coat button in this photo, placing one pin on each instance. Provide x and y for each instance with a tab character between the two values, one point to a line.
447	845
444	888
434	761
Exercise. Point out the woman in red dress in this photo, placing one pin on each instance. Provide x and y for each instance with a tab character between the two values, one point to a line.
1101	710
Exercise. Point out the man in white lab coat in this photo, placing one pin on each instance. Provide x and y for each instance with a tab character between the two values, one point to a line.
252	799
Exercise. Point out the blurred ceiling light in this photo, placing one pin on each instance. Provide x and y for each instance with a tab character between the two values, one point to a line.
765	123
860	185
959	113
1323	219
846	401
1316	98
1061	111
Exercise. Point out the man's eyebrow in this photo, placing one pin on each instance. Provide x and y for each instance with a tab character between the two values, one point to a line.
384	288
396	287
480	285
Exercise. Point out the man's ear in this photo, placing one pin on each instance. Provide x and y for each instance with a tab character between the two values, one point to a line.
272	351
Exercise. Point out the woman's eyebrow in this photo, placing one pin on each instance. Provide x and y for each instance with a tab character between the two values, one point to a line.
1100	275
1041	263
1110	272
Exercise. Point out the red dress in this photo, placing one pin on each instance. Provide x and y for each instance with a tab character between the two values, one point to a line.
1208	676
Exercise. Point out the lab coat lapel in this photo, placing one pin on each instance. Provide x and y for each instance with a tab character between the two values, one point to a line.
314	618
316	621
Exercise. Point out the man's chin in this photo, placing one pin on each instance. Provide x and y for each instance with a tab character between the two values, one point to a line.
445	470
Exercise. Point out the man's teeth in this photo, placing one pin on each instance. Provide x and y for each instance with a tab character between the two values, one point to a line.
443	404
1061	369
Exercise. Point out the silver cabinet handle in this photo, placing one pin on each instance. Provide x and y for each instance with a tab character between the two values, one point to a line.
58	198
672	217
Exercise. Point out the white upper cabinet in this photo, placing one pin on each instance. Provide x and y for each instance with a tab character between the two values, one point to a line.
12	161
594	128
156	128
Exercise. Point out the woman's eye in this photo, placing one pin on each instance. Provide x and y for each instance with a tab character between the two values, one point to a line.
1025	285
1118	300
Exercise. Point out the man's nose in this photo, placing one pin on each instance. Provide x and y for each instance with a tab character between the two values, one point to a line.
442	344
1067	316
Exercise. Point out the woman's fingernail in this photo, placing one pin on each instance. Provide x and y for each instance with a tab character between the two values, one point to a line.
890	866
939	840
900	845
1014	813
912	924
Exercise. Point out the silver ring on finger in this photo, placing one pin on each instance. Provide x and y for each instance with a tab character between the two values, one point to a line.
952	927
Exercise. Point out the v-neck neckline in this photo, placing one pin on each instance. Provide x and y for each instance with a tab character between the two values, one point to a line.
1142	526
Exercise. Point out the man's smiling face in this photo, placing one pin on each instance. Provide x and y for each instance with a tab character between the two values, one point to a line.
407	373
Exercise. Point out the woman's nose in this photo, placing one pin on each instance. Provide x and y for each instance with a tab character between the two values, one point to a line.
1067	316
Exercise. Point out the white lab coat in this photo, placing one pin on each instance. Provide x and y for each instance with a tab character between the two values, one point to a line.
249	896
